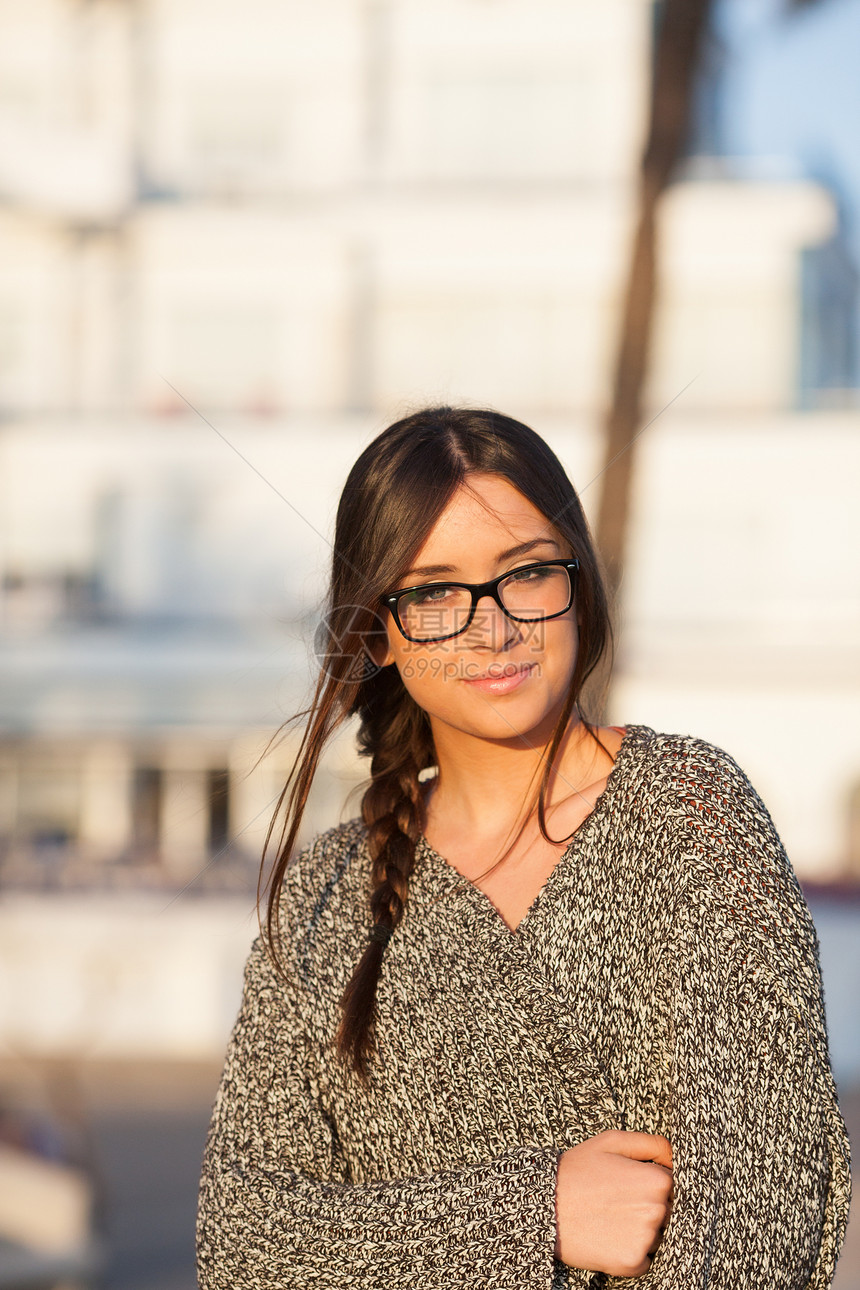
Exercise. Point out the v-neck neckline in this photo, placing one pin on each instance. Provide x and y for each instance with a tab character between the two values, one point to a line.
481	902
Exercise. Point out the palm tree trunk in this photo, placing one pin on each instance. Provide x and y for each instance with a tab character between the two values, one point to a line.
681	34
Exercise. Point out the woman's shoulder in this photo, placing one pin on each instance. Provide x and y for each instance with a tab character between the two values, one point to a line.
327	861
715	823
729	859
326	885
693	773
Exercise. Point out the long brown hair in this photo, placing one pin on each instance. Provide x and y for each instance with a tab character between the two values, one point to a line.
393	496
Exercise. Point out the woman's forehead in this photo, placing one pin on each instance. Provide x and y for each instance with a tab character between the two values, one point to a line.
485	515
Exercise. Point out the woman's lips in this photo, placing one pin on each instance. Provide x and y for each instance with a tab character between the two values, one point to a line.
503	680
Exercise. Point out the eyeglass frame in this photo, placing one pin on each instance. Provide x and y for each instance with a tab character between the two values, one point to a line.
477	590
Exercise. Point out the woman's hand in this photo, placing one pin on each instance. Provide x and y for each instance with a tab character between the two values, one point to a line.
612	1203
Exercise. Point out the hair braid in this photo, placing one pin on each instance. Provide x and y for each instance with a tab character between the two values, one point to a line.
395	733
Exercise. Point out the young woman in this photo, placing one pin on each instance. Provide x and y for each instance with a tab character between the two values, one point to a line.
550	1010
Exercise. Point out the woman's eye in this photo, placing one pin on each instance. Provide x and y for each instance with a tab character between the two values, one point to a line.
429	595
530	575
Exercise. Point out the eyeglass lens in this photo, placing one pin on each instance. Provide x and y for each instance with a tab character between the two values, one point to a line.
442	609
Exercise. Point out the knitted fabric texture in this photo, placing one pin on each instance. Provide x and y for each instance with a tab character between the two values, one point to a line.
665	979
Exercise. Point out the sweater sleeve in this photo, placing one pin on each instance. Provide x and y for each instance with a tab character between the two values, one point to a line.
760	1150
277	1210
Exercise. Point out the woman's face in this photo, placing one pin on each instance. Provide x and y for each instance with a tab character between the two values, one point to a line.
499	679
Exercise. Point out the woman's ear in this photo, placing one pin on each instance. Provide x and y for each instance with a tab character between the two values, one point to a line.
378	647
381	654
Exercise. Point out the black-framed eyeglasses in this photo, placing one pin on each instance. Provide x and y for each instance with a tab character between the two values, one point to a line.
436	611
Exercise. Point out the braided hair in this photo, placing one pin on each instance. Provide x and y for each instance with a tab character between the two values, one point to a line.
393	496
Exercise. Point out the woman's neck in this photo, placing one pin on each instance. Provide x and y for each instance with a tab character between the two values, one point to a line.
482	786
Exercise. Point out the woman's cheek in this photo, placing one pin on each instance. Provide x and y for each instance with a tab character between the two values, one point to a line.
430	676
421	670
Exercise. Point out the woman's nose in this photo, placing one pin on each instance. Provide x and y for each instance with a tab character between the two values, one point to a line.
490	625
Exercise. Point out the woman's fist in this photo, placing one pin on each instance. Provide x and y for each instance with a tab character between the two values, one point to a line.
613	1198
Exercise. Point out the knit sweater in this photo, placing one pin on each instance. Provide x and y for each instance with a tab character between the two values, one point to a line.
665	979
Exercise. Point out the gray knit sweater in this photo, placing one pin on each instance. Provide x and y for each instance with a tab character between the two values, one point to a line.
665	979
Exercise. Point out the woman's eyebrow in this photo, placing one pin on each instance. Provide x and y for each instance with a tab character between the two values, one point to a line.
523	548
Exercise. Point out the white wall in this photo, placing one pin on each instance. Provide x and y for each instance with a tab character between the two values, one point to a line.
127	976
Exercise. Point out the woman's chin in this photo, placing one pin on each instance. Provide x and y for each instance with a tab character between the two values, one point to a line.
509	717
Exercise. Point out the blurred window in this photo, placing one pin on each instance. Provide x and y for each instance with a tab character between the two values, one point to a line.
830	308
226	353
236	127
49	799
146	809
853	858
218	794
504	124
13	355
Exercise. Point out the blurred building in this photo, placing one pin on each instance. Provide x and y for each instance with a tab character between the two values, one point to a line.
235	241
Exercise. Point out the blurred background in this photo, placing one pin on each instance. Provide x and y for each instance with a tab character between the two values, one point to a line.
236	241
